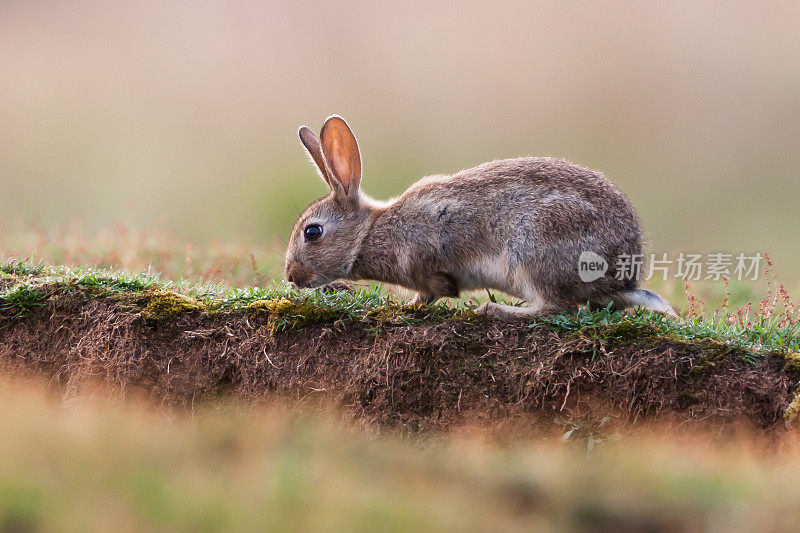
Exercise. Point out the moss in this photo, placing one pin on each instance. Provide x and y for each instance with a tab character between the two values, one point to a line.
165	304
285	313
712	352
621	333
635	333
792	362
793	410
213	307
393	312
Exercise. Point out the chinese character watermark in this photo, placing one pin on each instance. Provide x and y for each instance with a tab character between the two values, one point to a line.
686	266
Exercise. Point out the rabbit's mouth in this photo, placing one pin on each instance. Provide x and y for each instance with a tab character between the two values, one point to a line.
303	277
299	275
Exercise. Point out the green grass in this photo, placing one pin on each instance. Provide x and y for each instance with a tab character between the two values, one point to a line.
21	299
765	335
28	285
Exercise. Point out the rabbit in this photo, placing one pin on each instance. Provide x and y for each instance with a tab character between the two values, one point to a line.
515	225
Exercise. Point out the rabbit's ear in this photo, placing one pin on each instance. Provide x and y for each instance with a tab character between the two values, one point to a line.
314	148
340	148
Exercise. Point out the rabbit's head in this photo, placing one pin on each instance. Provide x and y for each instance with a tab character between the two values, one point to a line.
326	238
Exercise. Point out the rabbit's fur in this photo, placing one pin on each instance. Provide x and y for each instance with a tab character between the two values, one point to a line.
516	225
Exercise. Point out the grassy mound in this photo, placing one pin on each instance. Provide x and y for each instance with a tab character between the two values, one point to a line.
385	362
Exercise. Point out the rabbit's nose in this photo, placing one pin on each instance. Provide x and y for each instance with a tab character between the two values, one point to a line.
297	274
289	272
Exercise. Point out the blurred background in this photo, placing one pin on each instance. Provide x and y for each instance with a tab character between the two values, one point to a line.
172	126
163	136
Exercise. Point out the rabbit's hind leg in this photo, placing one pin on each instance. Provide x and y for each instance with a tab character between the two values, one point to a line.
509	312
537	304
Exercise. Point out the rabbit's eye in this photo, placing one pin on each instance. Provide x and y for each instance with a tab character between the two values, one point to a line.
312	232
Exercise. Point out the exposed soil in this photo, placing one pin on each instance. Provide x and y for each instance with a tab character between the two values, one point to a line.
436	374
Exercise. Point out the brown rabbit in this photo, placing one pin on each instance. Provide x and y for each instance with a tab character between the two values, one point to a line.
520	226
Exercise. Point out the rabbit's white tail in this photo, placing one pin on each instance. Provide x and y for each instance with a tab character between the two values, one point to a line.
646	299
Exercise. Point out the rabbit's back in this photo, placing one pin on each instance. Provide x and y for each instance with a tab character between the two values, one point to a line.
517	221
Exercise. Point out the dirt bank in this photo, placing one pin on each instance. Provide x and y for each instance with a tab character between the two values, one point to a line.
436	373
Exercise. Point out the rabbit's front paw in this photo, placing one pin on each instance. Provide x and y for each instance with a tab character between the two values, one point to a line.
336	286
